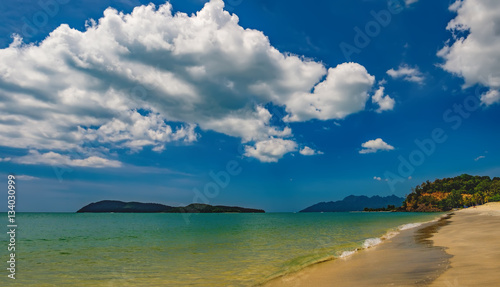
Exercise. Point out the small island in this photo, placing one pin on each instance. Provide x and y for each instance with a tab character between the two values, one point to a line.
139	207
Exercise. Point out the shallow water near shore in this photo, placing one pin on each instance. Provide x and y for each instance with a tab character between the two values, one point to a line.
409	259
54	249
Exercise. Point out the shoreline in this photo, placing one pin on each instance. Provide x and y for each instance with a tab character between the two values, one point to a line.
472	239
412	238
451	251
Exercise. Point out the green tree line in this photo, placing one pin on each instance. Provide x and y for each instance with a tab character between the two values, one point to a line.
448	193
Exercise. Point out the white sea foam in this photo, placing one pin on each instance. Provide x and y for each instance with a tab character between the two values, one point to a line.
409	226
370	242
390	234
348	253
417	224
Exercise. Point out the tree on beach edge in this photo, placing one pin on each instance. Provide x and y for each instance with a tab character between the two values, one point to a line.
447	193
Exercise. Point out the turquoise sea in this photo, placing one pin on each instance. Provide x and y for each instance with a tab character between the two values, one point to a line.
115	249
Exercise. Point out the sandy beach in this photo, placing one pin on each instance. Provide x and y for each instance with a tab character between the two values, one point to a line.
461	250
473	238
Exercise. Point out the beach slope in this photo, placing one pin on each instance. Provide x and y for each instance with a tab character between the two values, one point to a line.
473	238
461	250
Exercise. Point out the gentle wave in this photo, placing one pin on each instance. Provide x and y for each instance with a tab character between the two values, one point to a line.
410	226
346	254
372	242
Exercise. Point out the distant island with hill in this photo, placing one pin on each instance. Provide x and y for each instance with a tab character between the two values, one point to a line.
355	203
437	196
139	207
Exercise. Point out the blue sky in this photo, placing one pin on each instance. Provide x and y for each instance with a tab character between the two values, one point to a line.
266	104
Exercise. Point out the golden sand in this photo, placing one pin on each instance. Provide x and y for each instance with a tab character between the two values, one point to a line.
473	238
405	260
465	251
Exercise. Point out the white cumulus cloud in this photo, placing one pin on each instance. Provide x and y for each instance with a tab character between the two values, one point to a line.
385	103
473	53
152	77
407	73
343	92
270	150
491	97
309	151
375	145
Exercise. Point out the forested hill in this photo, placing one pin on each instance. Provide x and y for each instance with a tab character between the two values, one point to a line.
139	207
447	193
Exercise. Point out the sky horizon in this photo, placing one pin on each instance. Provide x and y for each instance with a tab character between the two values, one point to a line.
275	105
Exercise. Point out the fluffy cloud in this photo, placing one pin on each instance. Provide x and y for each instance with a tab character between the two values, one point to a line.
407	73
152	77
385	103
5	159
252	125
409	2
270	150
52	158
309	151
343	92
491	97
375	145
474	51
133	131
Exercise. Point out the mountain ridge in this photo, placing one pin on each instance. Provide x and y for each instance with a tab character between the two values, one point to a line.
355	203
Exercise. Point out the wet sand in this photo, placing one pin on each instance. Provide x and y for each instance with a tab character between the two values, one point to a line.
461	250
408	259
473	238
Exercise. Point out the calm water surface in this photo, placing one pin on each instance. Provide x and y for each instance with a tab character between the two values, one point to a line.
113	249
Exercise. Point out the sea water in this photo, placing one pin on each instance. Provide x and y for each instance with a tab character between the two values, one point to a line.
118	249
